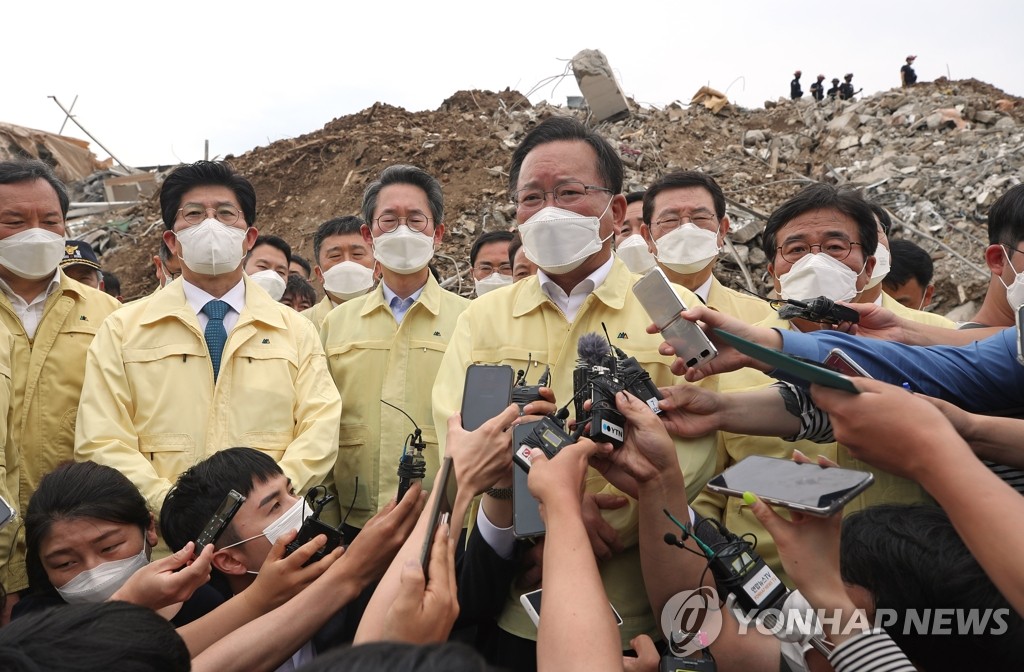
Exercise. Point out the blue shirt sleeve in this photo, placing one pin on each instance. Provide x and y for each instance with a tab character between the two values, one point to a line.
983	377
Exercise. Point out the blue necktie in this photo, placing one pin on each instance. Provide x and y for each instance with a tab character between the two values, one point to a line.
215	334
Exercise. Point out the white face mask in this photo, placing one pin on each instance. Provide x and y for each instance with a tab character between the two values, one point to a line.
819	275
102	581
1014	290
634	253
687	248
559	241
348	280
32	254
211	248
403	250
883	262
493	281
271	282
289	520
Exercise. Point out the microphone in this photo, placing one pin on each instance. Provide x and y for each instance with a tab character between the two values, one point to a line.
591	349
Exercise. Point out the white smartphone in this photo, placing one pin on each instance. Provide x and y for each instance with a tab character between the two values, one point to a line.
1020	339
663	306
838	360
7	513
531	603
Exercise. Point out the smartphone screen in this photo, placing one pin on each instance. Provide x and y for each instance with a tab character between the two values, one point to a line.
219	520
802	487
441	511
487	393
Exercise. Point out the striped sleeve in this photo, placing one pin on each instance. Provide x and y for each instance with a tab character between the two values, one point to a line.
871	651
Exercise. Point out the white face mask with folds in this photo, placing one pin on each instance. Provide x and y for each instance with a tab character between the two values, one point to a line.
32	254
290	520
883	262
816	275
1014	290
211	248
348	280
687	248
559	241
403	250
271	282
493	281
634	253
102	581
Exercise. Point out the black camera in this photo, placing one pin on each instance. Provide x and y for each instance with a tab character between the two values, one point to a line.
602	371
818	309
312	526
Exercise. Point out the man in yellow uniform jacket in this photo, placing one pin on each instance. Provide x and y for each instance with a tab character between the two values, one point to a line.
386	346
209	362
566	182
51	319
345	267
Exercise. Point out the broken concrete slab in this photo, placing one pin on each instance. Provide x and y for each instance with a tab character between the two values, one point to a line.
597	84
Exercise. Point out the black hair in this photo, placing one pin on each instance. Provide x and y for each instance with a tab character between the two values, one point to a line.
486	239
634	197
820	196
909	260
205	174
198	492
275	242
111	283
1006	218
78	490
301	261
86	637
405	174
30	170
558	129
513	247
683	179
911	558
401	657
300	287
339	226
884	220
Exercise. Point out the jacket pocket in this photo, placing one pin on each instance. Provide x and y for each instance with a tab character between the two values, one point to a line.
272	443
171	454
356	460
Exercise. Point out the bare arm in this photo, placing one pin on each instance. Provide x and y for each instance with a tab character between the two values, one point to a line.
992	437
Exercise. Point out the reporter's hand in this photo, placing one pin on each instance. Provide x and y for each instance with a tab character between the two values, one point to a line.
535	410
368	556
691	411
281	578
647	450
878	322
425	610
482	457
160	583
728	358
647	657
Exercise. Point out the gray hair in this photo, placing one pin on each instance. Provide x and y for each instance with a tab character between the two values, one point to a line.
405	174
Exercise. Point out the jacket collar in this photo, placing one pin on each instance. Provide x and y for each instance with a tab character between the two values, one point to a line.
430	298
170	302
611	292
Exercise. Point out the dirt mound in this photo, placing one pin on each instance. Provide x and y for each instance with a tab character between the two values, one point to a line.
936	155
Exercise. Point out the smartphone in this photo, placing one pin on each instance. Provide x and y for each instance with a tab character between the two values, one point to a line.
7	513
487	393
219	520
531	603
526	520
819	491
441	511
838	360
1020	339
663	306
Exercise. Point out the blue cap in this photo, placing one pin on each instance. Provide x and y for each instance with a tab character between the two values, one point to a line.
79	252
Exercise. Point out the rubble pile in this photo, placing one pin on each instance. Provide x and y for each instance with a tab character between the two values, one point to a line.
936	155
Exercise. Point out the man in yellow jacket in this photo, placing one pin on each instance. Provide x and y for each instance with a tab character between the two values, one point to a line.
567	182
209	362
345	266
51	320
386	346
686	225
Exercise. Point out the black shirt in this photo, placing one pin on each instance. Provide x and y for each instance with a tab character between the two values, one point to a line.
846	90
817	91
909	76
794	89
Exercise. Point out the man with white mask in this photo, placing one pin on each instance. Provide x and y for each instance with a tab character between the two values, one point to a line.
209	362
386	346
488	257
52	320
883	262
630	244
685	222
1005	259
267	264
565	180
345	266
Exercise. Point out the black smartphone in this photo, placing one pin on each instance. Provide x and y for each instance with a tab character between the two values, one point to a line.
219	520
526	520
819	491
441	511
487	393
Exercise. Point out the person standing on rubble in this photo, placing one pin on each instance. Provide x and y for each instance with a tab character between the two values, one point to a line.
795	91
818	89
846	88
907	75
834	91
